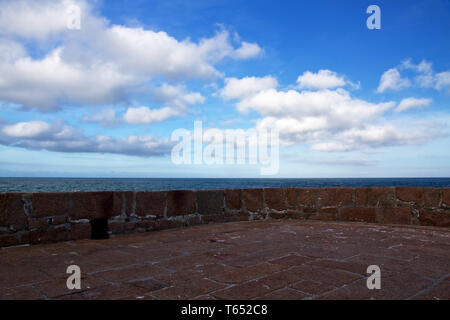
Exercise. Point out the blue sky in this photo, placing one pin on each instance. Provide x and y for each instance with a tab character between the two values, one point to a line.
104	99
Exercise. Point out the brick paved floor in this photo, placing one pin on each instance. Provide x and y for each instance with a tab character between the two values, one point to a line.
243	260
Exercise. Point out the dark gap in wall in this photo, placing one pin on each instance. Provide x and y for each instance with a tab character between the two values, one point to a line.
99	229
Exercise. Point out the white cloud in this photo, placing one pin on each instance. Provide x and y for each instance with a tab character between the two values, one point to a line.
145	115
423	67
30	129
175	101
176	96
323	79
443	80
241	88
35	19
337	105
412	103
392	80
157	54
63	138
247	50
100	63
48	82
375	136
10	51
425	78
327	120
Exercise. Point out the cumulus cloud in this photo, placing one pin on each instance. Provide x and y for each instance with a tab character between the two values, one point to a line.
100	63
159	54
245	87
326	119
323	79
247	50
30	129
175	101
412	103
375	136
59	137
443	80
174	98
392	80
337	105
48	82
35	19
11	50
145	115
425	77
424	66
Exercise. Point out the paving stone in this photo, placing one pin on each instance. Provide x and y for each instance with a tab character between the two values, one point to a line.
188	290
245	291
288	259
285	294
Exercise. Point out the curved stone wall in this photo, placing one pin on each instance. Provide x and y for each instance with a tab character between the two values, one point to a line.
32	218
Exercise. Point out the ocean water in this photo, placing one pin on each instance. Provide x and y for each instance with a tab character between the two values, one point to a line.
98	184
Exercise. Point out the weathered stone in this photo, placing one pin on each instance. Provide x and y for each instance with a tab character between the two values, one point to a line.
434	217
396	215
150	203
80	231
12	211
292	198
50	235
277	215
322	217
27	218
309	210
308	197
275	198
294	214
92	205
446	196
410	194
253	199
335	197
381	197
214	218
11	239
47	204
180	203
122	203
168	224
328	210
358	214
431	197
233	200
361	196
46	222
210	202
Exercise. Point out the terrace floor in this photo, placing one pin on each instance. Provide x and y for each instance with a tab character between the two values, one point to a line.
242	260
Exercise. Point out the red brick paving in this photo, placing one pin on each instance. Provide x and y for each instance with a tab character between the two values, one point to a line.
288	259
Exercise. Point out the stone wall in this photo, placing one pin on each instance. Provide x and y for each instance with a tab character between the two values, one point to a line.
27	218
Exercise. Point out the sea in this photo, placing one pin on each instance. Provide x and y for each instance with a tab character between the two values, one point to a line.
144	184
